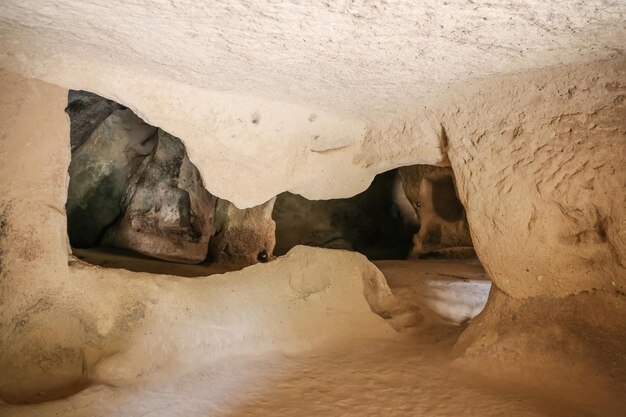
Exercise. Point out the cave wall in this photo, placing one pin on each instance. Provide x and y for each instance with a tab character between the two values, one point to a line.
541	174
538	157
540	169
132	186
167	212
558	344
65	324
243	236
87	111
538	162
99	173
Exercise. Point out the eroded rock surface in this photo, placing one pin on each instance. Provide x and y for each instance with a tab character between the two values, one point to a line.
341	63
542	176
167	212
99	173
134	187
86	110
443	231
243	236
579	338
540	171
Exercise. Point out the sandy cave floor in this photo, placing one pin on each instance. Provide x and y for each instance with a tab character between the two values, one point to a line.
411	375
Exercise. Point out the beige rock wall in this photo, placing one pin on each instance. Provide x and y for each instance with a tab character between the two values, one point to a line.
315	100
65	324
540	165
556	345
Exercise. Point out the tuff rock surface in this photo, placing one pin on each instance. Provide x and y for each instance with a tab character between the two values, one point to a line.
443	230
65	324
525	100
243	236
299	93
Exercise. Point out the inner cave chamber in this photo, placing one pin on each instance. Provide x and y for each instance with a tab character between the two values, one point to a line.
278	208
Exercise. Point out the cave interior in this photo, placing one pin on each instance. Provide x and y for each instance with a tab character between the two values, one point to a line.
253	208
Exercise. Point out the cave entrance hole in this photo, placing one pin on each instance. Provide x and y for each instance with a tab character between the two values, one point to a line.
136	201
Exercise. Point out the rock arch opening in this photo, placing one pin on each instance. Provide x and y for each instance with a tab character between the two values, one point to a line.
378	222
134	197
136	201
411	224
411	212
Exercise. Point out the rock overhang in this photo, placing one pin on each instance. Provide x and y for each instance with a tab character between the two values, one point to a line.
271	97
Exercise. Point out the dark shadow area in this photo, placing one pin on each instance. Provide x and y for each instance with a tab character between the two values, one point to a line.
412	212
445	202
371	222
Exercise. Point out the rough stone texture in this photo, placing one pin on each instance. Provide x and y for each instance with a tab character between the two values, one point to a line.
134	188
370	222
66	324
577	338
313	99
287	90
33	242
167	212
86	111
99	173
243	236
542	176
443	231
539	165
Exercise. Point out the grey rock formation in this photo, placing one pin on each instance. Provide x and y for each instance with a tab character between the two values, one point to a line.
133	186
87	110
444	232
168	213
99	172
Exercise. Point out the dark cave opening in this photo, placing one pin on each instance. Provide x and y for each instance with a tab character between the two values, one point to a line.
136	201
374	222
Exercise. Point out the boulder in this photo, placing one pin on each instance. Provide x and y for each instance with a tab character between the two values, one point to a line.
99	172
168	213
87	110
